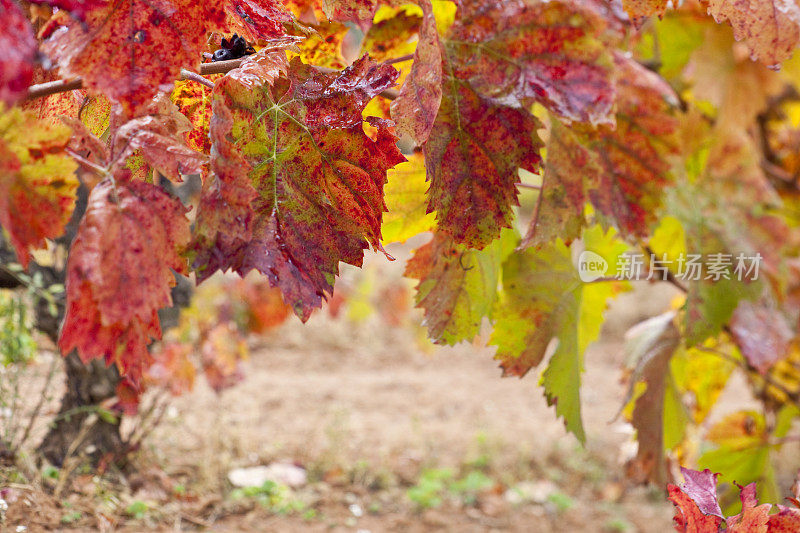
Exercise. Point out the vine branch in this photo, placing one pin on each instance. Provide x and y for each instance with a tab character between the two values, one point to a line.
217	67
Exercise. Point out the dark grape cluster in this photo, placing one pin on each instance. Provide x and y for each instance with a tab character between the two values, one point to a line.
234	48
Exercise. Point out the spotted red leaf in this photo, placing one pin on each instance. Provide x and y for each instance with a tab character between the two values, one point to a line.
159	137
172	368
622	171
37	180
76	8
129	49
550	52
260	19
360	11
770	28
688	518
416	107
701	487
472	158
786	520
298	185
754	517
194	101
641	9
19	52
119	273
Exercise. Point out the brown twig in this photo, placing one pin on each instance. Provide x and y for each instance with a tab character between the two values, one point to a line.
100	171
218	67
195	77
401	59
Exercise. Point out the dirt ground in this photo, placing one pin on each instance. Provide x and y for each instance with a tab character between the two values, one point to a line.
371	412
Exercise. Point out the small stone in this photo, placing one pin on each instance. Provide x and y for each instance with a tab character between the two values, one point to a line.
255	476
356	510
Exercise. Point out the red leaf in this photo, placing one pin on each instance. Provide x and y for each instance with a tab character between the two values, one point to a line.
621	171
787	520
639	10
194	102
359	11
701	487
128	397
472	158
688	517
549	52
222	351
77	8
160	138
37	180
771	28
298	185
261	19
119	273
129	49
416	107
754	517
19	52
172	368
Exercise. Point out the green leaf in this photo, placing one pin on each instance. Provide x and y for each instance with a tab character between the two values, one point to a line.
457	285
544	299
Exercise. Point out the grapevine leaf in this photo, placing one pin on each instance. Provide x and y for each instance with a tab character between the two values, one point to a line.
762	334
701	487
457	286
172	368
260	19
703	374
472	157
119	273
770	28
742	451
19	53
550	52
194	101
754	517
54	106
785	521
688	517
263	307
323	48
77	8
638	10
406	201
621	171
544	299
160	139
393	36
119	51
416	107
652	344
298	184
738	88
37	180
713	228
222	352
359	11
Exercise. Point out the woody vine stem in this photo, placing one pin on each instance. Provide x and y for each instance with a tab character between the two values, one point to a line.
219	67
